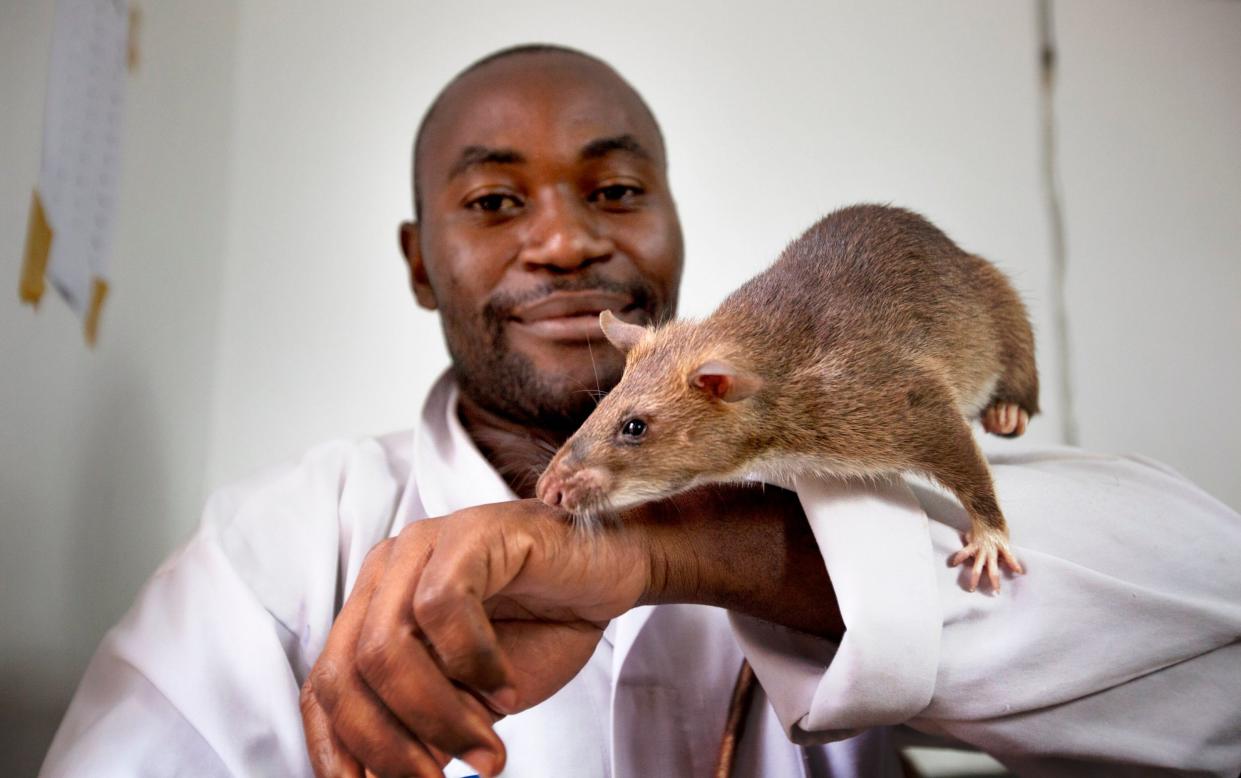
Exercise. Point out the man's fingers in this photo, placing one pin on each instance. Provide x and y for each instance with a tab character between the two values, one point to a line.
398	668
400	672
458	629
448	607
328	757
362	732
363	727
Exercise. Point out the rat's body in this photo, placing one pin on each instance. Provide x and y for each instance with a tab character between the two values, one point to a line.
866	349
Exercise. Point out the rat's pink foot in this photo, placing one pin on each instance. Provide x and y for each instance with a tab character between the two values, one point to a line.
1005	419
986	547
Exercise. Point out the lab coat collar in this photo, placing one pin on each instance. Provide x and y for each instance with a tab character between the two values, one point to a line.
449	473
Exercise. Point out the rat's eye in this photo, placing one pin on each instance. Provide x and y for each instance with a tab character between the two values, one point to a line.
633	429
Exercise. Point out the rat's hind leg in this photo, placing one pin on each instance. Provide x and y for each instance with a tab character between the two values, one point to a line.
941	444
1015	398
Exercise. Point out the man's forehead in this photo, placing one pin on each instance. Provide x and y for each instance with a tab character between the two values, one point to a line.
557	99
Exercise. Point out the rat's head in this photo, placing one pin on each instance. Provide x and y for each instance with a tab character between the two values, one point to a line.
683	414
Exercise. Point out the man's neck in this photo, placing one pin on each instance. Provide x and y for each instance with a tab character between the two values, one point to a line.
517	452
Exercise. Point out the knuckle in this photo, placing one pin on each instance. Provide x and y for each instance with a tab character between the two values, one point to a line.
323	683
378	553
306	698
472	665
373	658
434	602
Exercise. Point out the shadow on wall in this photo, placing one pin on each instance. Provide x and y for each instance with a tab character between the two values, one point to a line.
111	546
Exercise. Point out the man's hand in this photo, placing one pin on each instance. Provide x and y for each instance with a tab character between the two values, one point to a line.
505	603
508	603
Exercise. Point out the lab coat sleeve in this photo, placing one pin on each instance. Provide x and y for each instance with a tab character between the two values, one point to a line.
1119	651
202	674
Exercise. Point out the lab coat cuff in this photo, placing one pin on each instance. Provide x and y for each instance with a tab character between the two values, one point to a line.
875	543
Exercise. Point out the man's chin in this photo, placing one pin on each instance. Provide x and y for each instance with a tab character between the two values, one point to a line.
574	367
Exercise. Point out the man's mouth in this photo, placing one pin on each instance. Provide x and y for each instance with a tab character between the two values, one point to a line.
573	316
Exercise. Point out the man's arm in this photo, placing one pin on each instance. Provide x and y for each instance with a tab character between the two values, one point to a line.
1120	646
747	549
509	600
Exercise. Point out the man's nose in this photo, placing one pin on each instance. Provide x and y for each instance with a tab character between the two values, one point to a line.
564	234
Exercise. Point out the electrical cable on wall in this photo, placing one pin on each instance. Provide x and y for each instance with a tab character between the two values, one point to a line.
1055	215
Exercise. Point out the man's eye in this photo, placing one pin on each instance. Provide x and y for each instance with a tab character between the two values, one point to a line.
494	203
615	194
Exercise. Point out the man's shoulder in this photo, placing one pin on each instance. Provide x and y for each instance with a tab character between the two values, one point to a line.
295	533
325	473
339	495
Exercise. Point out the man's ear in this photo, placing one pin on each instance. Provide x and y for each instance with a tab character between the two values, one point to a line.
724	381
419	281
619	333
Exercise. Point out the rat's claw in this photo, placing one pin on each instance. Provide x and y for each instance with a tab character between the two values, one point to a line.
1007	554
980	559
966	552
987	549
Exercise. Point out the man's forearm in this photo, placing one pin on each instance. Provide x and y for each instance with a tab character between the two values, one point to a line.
743	548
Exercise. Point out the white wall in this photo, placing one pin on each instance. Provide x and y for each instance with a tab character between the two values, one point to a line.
103	453
773	117
1151	119
260	302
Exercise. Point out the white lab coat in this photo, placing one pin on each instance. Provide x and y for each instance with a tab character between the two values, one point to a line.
1121	645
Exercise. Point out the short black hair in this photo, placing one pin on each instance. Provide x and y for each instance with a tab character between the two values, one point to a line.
505	53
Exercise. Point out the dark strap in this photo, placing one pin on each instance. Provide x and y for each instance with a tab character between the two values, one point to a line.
734	728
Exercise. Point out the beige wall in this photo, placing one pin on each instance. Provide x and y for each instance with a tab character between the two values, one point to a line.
260	304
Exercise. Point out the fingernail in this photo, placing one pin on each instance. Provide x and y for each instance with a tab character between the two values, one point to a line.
481	760
505	699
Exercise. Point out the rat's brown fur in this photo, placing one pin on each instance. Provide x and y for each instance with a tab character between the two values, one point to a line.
876	340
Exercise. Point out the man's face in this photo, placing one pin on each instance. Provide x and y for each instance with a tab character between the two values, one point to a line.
544	200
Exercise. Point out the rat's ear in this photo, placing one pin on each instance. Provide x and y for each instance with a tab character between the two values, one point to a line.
724	381
419	281
619	333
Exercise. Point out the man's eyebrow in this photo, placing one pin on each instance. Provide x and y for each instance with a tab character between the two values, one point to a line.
472	156
603	146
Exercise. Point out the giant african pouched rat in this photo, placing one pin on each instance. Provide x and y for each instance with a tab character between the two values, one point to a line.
865	349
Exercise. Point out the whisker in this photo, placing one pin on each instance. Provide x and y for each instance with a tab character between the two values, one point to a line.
594	369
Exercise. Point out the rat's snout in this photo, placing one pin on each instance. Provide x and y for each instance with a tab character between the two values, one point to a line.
576	490
549	489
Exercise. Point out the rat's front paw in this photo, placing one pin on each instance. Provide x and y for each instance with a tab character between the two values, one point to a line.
986	547
1007	419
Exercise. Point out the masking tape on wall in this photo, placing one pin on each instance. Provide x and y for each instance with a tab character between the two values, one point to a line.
98	291
38	245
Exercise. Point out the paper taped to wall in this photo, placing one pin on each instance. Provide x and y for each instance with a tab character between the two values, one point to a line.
78	189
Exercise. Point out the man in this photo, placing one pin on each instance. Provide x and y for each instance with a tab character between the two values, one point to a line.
411	600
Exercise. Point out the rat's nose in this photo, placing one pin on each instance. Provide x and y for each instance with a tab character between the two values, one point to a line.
549	489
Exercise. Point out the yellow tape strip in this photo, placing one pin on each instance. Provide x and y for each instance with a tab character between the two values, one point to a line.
34	261
132	55
99	290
